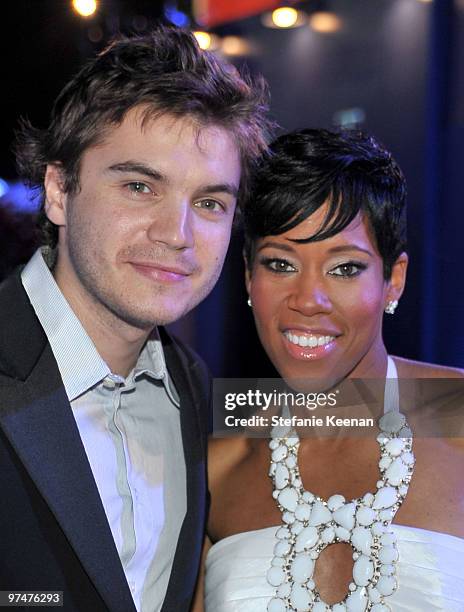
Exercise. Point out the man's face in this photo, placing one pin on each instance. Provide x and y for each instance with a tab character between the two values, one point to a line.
146	235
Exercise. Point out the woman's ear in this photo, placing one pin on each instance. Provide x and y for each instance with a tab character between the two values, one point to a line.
247	274
55	196
398	278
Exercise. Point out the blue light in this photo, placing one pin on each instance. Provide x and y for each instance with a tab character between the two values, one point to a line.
19	197
349	117
4	187
176	17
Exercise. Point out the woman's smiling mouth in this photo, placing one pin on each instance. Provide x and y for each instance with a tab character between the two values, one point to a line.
308	345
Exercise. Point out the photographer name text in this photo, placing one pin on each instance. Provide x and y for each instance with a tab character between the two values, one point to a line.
295	421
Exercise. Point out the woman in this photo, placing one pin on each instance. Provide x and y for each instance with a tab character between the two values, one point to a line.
333	528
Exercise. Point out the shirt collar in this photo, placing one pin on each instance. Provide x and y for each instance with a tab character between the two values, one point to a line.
80	365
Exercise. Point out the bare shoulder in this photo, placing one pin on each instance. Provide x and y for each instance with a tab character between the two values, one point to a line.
407	368
432	396
224	454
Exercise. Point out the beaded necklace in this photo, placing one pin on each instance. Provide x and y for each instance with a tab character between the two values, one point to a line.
310	523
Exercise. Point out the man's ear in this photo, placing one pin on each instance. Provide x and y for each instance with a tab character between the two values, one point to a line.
398	278
55	196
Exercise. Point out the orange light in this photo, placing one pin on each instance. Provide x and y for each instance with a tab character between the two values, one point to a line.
285	17
325	23
235	46
203	39
85	8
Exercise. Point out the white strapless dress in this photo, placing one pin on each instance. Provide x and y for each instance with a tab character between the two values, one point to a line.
430	572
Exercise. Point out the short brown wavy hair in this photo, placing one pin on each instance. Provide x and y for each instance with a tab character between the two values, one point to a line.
165	71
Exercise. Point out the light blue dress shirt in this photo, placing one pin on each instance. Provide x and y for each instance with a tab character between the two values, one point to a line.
130	430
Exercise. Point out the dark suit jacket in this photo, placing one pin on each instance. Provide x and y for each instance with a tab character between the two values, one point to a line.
53	529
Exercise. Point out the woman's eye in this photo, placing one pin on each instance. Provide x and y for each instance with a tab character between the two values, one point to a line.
213	205
348	269
138	187
278	265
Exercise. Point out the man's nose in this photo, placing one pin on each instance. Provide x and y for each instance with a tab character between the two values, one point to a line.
172	224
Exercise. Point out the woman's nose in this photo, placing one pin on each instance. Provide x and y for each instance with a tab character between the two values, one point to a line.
309	297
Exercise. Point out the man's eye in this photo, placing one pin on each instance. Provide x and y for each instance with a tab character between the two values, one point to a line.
138	187
277	265
208	204
348	269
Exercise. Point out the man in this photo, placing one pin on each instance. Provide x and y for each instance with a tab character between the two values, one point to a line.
102	414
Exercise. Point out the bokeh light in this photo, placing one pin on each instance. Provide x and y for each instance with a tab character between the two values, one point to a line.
285	17
325	22
235	46
203	39
85	8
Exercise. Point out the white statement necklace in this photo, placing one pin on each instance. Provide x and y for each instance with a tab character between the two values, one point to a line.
310	523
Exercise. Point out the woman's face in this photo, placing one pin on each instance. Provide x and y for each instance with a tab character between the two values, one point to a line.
318	307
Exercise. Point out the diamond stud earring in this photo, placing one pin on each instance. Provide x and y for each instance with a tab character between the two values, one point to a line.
249	303
391	307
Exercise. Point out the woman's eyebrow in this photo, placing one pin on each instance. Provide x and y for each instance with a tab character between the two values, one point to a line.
343	248
276	245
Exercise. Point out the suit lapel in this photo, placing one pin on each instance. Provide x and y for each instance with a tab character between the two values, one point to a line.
37	419
188	551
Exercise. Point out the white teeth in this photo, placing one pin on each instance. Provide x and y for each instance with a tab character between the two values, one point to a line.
311	340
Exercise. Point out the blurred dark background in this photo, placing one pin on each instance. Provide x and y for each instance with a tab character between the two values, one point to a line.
392	67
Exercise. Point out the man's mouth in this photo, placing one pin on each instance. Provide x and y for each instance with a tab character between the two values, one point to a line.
161	272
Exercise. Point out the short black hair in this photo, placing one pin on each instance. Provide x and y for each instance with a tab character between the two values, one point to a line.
348	169
167	73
